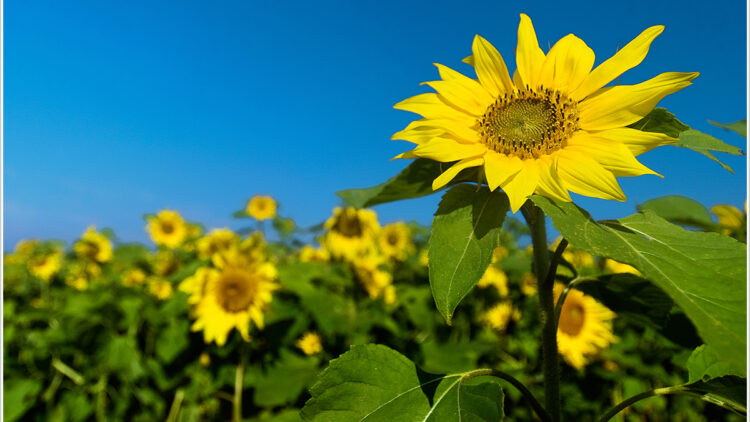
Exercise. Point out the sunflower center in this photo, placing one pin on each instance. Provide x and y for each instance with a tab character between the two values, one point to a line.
393	239
236	290
348	226
529	123
571	319
167	228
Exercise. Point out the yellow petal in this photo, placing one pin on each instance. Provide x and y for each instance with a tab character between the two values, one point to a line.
625	104
469	60
463	133
585	176
522	184
417	133
612	155
635	140
406	155
449	174
550	184
490	67
464	93
446	73
529	57
628	57
430	106
446	150
498	168
567	64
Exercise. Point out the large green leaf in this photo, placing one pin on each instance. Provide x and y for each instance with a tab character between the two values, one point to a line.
413	182
374	383
19	395
704	273
680	210
704	364
465	232
285	379
662	121
739	127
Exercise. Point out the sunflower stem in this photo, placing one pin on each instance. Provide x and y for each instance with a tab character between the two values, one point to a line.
550	363
239	380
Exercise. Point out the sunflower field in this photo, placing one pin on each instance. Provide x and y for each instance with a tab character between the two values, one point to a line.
481	317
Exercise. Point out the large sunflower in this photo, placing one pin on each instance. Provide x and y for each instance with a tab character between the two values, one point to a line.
584	328
553	128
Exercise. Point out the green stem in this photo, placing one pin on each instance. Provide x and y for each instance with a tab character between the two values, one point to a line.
239	380
550	363
174	411
543	415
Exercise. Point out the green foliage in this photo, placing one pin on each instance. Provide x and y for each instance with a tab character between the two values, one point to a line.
739	127
680	210
704	273
375	383
465	232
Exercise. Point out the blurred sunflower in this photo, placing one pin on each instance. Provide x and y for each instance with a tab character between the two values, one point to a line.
167	228
498	316
528	284
395	242
133	277
94	246
584	329
371	272
552	128
310	254
261	207
309	343
80	273
731	219
350	232
217	241
160	288
233	298
494	276
195	285
45	265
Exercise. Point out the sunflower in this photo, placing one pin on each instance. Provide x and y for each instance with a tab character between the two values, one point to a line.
217	241
350	232
370	271
167	229
309	343
133	277
160	288
261	207
45	265
195	285
731	219
494	276
528	284
584	329
553	128
233	298
498	316
395	241
94	246
310	254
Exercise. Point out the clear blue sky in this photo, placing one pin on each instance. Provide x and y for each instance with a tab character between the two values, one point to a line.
116	109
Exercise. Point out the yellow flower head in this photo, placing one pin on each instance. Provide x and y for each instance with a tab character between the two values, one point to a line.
498	316
233	298
309	343
618	267
528	284
94	246
80	273
217	241
261	207
133	277
195	285
350	232
26	247
370	272
499	254
160	288
45	265
164	263
395	241
310	254
730	218
585	327
551	128
494	276
424	258
167	229
204	359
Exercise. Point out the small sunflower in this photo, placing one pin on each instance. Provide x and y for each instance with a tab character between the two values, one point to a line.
350	232
310	254
395	241
309	343
731	219
45	265
133	277
160	288
494	276
528	284
370	271
217	241
261	207
552	128
168	229
94	246
498	316
233	298
584	329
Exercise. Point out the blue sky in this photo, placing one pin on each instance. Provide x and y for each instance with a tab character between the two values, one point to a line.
116	109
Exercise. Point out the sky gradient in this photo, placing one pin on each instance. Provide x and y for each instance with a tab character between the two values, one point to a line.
114	110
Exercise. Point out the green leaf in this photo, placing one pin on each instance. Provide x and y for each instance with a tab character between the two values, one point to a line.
413	182
662	121
739	127
680	210
704	273
703	365
285	380
19	395
172	340
465	232
374	383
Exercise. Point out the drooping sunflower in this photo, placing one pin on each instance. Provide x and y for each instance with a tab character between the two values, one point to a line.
395	241
350	232
552	128
584	329
232	298
261	207
168	229
94	246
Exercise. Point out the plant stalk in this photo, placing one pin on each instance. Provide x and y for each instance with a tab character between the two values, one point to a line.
538	409
550	361
239	380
